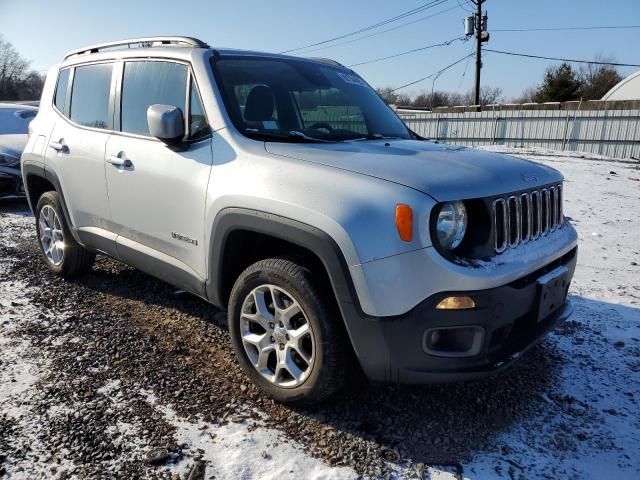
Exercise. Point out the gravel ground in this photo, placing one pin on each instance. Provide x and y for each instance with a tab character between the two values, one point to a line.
117	375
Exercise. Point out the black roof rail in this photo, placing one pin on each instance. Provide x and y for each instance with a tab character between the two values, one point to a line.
161	41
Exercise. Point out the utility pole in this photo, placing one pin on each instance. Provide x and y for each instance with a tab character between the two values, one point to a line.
478	48
477	24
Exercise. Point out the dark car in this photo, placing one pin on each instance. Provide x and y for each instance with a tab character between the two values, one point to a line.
14	132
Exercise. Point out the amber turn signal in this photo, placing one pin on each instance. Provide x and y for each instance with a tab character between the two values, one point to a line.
404	221
456	303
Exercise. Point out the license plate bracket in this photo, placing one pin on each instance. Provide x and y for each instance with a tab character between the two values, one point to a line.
552	291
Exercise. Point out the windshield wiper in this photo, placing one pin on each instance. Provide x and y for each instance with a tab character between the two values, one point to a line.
304	136
293	135
374	136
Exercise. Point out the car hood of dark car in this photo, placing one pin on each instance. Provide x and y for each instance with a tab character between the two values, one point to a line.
13	144
445	172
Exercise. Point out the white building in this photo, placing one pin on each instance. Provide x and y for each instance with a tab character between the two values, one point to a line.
627	89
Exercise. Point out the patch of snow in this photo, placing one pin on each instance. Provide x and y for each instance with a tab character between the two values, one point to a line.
246	451
595	403
20	372
13	226
546	152
532	251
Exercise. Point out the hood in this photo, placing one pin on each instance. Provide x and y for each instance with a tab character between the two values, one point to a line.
444	172
13	144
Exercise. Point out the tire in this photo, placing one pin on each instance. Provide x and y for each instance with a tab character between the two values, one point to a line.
74	259
290	286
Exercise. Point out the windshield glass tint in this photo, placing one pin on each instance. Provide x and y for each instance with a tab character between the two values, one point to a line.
271	98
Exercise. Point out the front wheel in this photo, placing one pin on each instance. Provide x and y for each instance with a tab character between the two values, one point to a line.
286	336
61	253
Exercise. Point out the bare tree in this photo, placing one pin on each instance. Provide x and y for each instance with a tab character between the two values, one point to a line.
527	96
392	98
440	98
16	81
596	80
488	96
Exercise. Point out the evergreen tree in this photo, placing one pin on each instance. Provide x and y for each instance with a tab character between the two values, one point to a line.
560	84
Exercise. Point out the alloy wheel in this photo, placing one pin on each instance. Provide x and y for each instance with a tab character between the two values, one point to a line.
51	235
277	336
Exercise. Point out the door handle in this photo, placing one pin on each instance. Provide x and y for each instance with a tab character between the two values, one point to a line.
119	160
59	146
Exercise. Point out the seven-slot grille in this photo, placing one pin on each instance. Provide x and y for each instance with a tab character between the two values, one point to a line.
527	216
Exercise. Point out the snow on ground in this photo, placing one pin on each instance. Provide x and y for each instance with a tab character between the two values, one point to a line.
246	450
591	425
602	199
600	379
20	368
237	450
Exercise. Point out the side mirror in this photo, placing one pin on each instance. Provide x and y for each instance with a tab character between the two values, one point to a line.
165	123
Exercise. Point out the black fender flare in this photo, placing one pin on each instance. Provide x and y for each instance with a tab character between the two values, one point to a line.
365	332
301	234
30	169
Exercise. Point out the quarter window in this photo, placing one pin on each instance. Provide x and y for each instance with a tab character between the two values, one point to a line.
61	89
198	126
148	83
90	95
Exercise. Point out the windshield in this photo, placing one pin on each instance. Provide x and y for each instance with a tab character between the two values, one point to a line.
302	101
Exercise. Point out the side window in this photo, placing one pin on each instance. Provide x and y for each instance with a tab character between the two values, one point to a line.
147	83
61	90
330	106
90	95
198	126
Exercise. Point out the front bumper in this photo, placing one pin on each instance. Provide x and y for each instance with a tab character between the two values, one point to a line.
394	348
11	182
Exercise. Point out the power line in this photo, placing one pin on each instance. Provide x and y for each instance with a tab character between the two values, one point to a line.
556	29
466	66
421	8
421	19
442	70
464	6
443	44
592	62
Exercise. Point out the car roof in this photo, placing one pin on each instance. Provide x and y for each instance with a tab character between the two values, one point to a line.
181	48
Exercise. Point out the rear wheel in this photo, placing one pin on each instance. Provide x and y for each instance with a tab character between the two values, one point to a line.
286	336
61	253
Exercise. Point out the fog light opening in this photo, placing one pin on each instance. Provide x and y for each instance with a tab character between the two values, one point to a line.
454	341
456	303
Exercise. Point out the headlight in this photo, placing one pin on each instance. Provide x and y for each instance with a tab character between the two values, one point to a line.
451	224
8	160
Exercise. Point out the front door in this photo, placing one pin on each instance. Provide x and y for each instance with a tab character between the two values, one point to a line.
157	192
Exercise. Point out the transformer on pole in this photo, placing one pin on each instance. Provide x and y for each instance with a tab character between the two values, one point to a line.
477	25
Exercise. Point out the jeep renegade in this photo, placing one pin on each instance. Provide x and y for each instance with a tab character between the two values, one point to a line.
286	192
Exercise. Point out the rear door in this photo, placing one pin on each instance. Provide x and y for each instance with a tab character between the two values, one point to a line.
75	152
157	198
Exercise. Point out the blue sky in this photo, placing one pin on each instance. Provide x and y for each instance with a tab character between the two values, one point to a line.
43	30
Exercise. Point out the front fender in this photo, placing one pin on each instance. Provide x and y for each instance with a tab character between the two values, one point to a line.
370	349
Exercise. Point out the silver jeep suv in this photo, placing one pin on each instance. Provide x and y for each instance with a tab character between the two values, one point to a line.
285	191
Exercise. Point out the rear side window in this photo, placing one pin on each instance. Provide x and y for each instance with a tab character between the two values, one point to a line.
147	83
90	95
61	89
